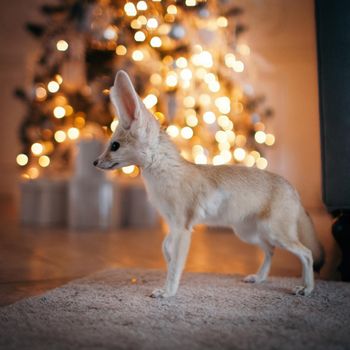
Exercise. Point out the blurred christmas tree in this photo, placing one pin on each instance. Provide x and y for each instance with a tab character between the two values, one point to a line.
188	62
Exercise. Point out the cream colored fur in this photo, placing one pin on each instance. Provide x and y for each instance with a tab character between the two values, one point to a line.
261	207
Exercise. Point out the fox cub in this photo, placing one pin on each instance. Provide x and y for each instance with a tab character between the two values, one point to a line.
261	207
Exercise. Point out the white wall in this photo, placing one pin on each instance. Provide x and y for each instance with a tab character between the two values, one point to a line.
281	32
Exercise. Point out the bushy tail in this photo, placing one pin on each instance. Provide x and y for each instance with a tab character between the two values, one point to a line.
308	237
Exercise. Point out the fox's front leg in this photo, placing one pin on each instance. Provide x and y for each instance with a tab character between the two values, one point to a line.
175	249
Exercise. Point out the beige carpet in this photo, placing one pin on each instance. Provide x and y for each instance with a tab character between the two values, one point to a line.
112	310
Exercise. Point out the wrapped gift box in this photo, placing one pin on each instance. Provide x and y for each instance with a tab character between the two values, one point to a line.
44	202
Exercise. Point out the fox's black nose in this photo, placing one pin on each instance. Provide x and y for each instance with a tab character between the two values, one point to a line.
95	162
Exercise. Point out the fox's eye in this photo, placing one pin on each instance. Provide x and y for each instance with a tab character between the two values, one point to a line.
114	146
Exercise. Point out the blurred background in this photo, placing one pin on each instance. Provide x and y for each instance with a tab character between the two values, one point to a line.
230	81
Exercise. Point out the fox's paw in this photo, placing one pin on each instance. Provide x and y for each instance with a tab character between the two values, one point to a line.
160	293
252	279
302	290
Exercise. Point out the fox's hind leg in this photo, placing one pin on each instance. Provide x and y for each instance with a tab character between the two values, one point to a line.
305	256
264	269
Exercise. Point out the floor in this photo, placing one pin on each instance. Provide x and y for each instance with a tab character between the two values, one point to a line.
34	260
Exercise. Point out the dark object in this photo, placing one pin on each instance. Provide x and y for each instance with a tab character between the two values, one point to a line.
341	230
114	146
333	42
95	162
36	29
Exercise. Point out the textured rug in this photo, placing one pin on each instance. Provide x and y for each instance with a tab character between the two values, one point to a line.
112	310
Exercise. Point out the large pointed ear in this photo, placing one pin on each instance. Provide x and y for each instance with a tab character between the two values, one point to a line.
125	99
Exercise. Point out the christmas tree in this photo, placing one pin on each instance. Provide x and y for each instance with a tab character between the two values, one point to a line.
189	63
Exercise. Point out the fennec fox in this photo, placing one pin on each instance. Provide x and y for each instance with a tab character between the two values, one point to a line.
261	207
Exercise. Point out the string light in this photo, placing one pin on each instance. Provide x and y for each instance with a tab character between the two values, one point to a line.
137	55
53	86
128	169
141	5
209	117
73	133
270	139
186	132
62	45
140	36
40	93
59	112
37	148
44	161
60	136
150	100
114	125
171	79
261	163
239	154
130	9
22	159
260	137
156	41
152	23
172	131
121	50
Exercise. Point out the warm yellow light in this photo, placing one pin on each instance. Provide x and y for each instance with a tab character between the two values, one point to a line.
150	100
230	59
59	78
205	100
121	50
231	136
69	109
130	9
204	59
152	23
53	86
44	161
237	107
172	130
239	154
222	22
200	159
136	23
73	133
22	159
241	140
156	41
223	120
181	62
209	117
223	104
189	101
260	137
40	93
214	86
156	79
142	20
218	160
186	74
59	112
172	10
137	55
140	36
186	132
62	45
128	169
191	3
220	136
171	79
60	136
33	173
243	49
255	154
114	125
110	33
141	5
270	139
224	146
249	160
197	149
261	163
226	155
37	148
238	66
